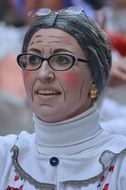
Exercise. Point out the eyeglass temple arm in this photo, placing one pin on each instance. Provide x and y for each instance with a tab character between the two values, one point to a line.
83	60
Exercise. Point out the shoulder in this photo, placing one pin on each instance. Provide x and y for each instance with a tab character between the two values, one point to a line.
115	126
119	175
121	159
7	142
6	145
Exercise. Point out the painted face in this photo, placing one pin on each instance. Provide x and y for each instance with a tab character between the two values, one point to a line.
57	95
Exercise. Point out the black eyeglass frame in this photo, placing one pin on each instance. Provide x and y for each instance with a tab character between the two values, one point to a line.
75	59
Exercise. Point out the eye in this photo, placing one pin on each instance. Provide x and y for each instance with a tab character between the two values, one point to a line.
63	60
34	60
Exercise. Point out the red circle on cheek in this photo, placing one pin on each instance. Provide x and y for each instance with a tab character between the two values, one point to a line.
27	75
71	78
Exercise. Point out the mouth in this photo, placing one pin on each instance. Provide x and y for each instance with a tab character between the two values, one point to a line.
48	92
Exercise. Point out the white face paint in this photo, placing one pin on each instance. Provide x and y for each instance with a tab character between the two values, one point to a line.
57	95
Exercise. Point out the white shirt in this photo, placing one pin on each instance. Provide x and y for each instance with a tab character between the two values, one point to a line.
75	154
113	116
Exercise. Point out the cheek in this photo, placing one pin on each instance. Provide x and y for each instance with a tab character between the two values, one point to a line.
71	79
28	80
27	76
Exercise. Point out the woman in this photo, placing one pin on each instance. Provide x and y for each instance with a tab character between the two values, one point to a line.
65	63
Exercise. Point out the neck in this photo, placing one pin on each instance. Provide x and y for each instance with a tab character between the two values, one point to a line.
64	137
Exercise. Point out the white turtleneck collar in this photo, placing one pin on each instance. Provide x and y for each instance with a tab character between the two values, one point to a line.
67	136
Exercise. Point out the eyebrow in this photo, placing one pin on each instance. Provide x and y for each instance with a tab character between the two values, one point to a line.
60	50
54	52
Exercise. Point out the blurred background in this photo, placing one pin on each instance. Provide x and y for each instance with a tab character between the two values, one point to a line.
15	114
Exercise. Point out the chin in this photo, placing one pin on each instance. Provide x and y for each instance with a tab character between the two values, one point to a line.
49	118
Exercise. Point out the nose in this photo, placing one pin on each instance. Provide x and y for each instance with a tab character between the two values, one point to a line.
45	72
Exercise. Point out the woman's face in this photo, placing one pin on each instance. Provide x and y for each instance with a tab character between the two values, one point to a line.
57	95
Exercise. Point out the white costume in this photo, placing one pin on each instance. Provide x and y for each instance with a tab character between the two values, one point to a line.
75	154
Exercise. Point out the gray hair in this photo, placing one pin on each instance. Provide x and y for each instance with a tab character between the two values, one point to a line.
89	36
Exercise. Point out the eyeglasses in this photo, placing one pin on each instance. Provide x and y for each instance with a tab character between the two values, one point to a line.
34	14
58	62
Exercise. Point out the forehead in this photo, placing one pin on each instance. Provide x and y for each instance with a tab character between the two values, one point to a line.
50	31
54	35
53	38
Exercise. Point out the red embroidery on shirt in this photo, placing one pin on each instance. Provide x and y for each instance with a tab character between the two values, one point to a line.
106	186
15	188
102	178
16	178
11	188
20	188
111	168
